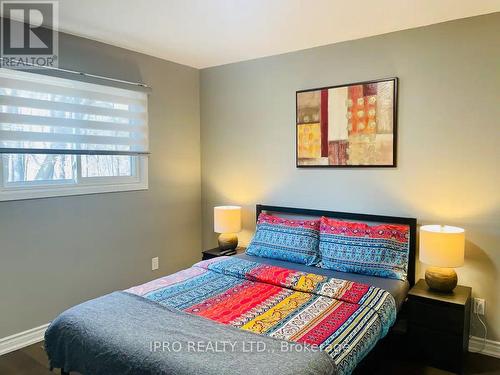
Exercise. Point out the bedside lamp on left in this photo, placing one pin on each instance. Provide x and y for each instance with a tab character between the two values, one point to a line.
227	222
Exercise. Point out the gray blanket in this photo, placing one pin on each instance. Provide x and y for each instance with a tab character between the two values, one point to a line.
122	334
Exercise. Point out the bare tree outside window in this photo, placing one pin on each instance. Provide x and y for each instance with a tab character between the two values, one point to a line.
35	167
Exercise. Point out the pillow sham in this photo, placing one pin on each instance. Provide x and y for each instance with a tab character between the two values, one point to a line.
380	250
291	240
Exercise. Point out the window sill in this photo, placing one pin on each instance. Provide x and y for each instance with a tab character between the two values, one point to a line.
62	191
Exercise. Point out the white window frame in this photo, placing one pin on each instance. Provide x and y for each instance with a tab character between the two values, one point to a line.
137	142
77	186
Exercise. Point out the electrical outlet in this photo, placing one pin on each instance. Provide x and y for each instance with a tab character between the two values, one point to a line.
155	263
479	306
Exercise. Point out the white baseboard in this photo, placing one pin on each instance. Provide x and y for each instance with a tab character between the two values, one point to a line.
22	339
488	347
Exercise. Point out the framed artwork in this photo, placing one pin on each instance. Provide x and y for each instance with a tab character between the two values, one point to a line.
346	126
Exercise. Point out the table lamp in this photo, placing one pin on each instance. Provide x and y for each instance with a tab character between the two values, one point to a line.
442	248
227	222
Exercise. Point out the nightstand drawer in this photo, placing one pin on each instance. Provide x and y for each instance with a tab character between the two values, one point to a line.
443	350
442	318
438	325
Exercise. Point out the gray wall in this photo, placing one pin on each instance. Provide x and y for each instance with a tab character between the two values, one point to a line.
448	142
57	252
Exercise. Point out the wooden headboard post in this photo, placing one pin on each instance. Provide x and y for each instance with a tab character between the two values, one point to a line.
411	222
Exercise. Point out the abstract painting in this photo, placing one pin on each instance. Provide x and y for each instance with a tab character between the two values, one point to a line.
351	125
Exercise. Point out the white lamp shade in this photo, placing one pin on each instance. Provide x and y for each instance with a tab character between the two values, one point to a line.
227	219
442	246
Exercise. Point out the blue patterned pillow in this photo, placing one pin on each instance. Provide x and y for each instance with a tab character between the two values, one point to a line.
292	240
380	250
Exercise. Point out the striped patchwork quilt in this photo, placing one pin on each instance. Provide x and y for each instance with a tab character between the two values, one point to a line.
343	318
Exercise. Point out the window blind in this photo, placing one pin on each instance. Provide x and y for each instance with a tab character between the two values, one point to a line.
49	115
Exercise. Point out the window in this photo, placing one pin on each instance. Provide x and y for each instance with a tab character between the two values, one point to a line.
65	137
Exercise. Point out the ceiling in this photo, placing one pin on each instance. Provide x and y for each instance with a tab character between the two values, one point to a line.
204	33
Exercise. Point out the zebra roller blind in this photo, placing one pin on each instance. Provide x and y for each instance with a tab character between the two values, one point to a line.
47	115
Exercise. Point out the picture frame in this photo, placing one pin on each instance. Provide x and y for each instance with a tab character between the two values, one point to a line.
351	125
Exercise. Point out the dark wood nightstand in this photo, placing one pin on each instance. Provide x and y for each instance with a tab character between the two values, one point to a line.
438	325
215	252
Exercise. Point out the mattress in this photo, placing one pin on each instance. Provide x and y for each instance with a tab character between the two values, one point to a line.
338	320
93	338
397	288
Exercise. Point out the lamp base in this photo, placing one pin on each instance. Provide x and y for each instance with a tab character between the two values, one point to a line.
228	241
441	279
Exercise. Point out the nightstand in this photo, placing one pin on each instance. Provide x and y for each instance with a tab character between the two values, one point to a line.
215	252
438	325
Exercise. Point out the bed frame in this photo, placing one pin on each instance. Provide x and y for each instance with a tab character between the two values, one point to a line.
411	222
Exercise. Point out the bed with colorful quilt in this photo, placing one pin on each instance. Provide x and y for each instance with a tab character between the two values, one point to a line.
287	306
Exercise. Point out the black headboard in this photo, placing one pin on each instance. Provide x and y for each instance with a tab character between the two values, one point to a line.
411	222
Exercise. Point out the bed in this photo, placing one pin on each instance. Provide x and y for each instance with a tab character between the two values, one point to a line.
237	314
